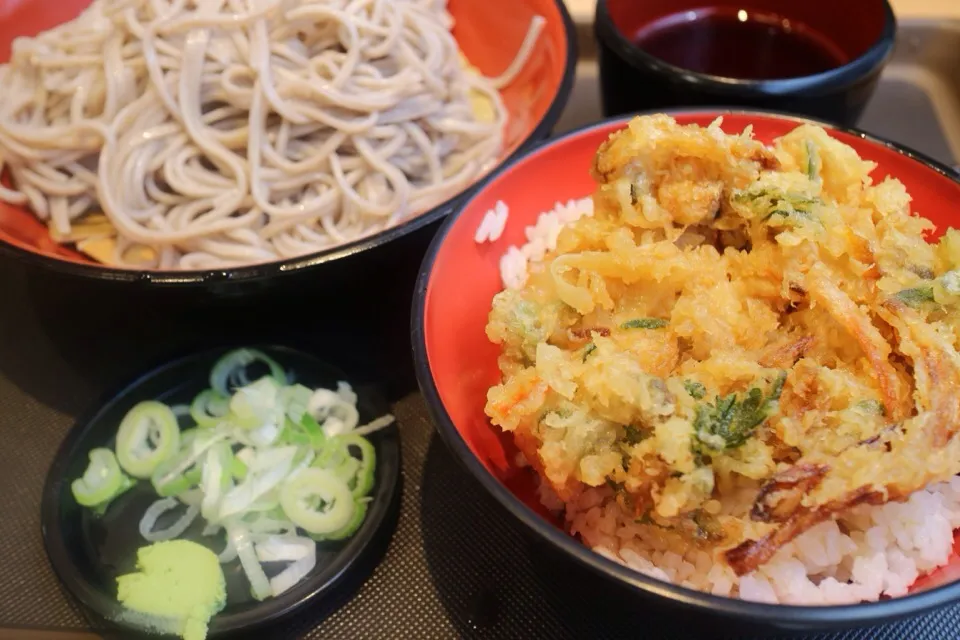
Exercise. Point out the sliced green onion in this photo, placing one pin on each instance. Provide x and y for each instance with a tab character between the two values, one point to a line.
240	539
295	399
230	371
334	413
332	455
127	484
257	405
191	497
178	485
156	510
246	455
347	470
102	481
209	407
337	456
313	430
274	521
237	468
303	459
359	514
269	469
346	392
368	463
181	472
187	437
294	434
266	435
267	503
295	572
169	484
377	424
317	501
148	435
267	461
276	548
216	480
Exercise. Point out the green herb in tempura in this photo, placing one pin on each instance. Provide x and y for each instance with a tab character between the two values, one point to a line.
707	526
916	297
587	350
730	421
813	159
696	389
944	289
871	406
926	273
634	435
645	323
765	204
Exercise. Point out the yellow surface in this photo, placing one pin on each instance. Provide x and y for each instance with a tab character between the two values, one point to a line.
582	10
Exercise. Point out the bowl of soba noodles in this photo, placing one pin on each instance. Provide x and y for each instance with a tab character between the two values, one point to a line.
215	142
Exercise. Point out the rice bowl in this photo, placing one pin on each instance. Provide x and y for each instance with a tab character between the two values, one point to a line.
827	551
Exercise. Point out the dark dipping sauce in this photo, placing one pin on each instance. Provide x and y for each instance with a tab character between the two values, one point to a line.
739	44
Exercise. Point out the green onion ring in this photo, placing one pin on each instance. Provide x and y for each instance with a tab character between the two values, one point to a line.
230	370
209	407
311	484
148	435
359	514
102	481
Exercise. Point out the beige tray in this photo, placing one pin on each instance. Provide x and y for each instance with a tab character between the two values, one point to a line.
917	103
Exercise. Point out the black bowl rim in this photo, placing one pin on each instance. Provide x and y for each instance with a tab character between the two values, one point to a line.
864	65
381	522
786	616
252	273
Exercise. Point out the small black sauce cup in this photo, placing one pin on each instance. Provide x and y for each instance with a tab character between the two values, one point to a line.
633	80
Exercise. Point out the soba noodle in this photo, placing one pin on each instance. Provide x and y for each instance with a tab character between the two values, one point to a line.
223	132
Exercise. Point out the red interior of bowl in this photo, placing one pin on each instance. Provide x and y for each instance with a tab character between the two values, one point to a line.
489	33
852	26
465	276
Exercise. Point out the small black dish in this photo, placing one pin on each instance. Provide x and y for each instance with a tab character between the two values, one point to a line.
858	36
88	552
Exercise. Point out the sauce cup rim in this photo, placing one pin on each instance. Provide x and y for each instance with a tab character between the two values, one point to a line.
607	33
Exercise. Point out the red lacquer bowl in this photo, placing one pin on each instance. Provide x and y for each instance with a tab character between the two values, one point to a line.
489	33
457	364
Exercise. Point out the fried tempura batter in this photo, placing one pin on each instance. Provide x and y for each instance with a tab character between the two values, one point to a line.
736	315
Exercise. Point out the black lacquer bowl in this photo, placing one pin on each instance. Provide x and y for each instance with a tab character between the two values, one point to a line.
88	552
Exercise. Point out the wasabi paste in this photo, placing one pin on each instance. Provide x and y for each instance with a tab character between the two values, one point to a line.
179	588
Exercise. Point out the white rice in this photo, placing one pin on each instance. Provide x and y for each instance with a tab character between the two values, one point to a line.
881	550
541	237
493	224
